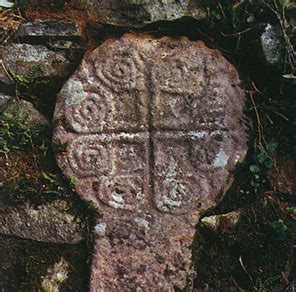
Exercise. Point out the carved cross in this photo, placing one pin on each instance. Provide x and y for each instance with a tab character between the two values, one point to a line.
150	129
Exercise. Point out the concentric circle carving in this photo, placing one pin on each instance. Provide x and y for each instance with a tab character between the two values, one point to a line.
88	157
123	70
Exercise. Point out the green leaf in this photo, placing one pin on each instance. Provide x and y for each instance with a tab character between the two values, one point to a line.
255	184
47	177
272	147
73	180
291	209
257	177
52	192
268	163
254	168
261	157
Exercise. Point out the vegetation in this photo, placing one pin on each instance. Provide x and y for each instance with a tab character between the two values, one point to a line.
254	257
257	255
28	174
10	20
25	82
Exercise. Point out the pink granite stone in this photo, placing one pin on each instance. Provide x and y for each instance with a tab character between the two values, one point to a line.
151	130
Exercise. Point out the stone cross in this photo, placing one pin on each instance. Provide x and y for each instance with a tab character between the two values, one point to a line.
150	129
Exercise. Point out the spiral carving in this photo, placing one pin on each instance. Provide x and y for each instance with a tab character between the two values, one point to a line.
120	192
91	114
88	156
121	70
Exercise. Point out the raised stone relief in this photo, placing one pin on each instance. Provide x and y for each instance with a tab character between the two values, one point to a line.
151	129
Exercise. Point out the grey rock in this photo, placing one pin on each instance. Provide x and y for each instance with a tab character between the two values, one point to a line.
65	45
56	4
223	223
58	35
137	13
3	99
47	223
22	59
23	109
50	28
150	128
56	276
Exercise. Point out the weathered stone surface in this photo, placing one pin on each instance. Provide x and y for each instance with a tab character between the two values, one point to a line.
130	13
4	98
23	59
150	128
57	4
57	35
56	276
49	28
23	108
137	13
47	223
223	223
